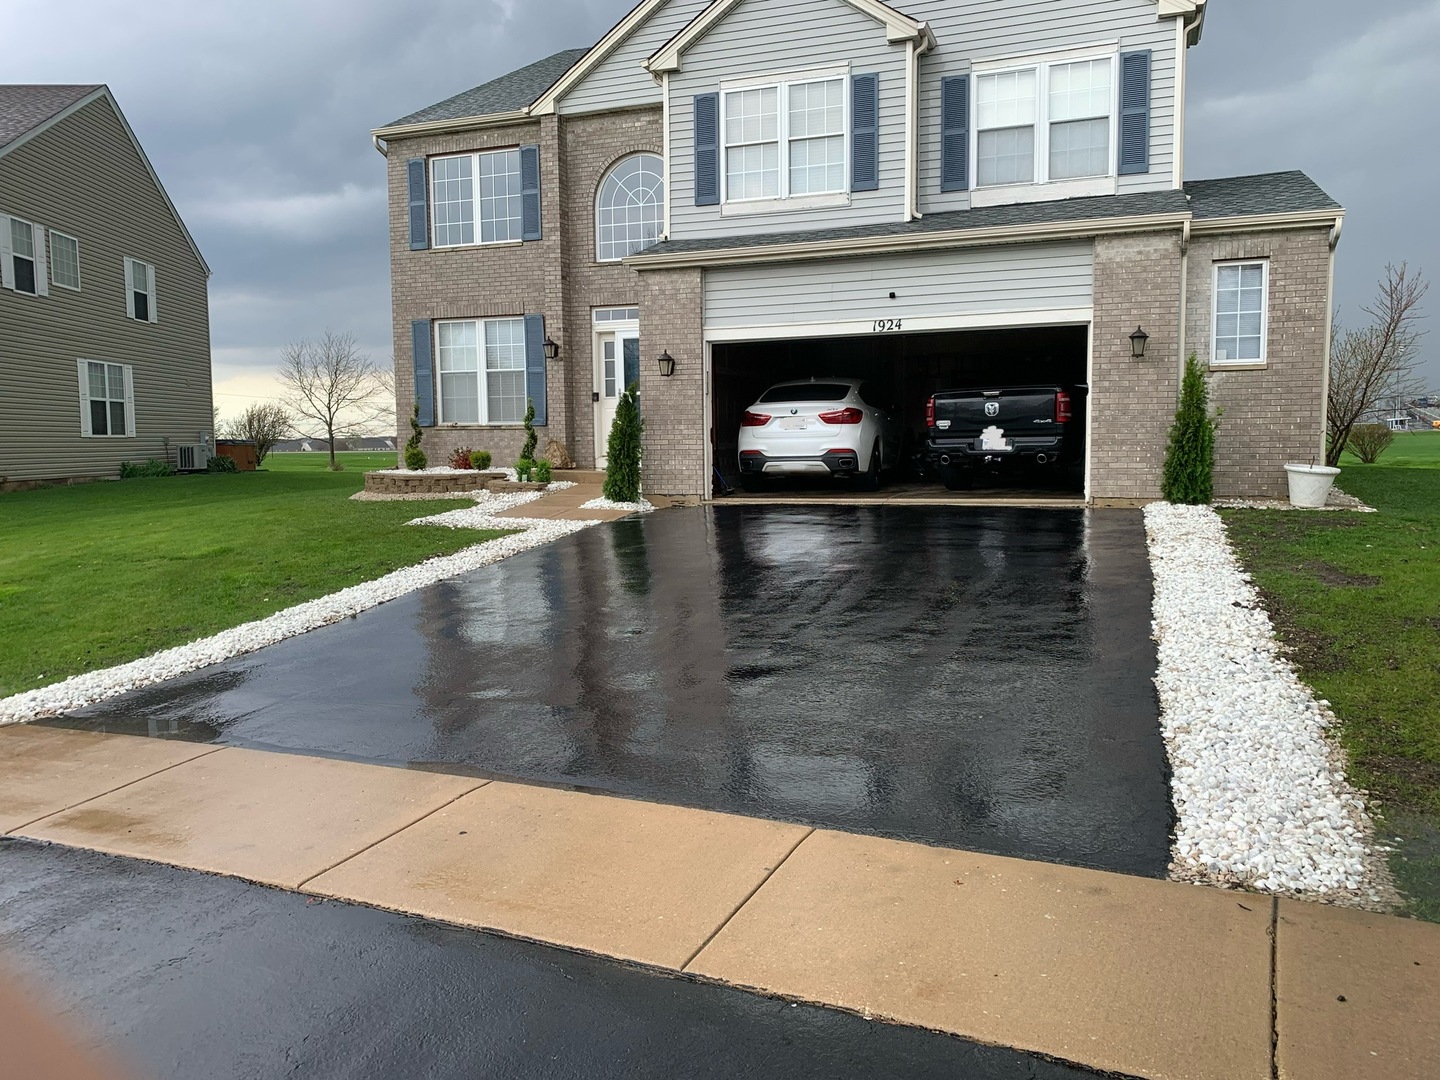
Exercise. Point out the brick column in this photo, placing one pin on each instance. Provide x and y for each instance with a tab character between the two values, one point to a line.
674	408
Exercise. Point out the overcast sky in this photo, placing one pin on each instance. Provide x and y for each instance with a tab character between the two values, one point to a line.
256	116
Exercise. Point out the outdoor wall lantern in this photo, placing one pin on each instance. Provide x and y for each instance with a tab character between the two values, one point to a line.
552	348
667	364
1138	340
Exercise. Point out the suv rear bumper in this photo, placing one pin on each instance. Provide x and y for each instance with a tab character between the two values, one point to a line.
965	452
830	463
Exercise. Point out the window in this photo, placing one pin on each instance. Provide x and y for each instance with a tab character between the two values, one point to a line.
140	291
1045	123
455	181
1240	312
630	209
103	394
617	314
22	255
64	260
785	141
482	371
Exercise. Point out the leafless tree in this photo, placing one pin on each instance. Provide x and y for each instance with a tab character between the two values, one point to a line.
263	423
331	388
1372	362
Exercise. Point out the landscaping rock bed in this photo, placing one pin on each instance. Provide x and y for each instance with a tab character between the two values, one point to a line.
641	507
429	482
1260	793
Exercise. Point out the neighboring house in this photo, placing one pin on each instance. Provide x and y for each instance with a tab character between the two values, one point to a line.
971	192
367	442
104	317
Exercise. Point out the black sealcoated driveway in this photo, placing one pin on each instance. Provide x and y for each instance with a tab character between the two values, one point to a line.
972	677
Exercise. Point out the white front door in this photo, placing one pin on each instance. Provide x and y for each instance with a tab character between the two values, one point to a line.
617	365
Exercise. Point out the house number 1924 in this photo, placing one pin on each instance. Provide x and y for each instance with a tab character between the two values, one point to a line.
886	325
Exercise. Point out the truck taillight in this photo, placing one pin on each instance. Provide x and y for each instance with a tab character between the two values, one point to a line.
843	416
930	412
1062	408
754	419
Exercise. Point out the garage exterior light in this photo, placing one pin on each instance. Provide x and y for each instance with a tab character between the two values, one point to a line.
552	348
1138	340
667	364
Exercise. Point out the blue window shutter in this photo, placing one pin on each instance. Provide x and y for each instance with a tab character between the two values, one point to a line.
424	371
535	364
707	149
955	133
529	193
1134	113
865	133
419	219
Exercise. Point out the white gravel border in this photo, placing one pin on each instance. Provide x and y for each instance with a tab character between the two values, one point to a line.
602	503
1260	792
94	686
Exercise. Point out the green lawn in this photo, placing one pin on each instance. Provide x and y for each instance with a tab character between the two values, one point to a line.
349	460
97	574
1411	449
1356	597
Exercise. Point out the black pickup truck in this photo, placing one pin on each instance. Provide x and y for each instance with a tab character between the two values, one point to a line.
1001	428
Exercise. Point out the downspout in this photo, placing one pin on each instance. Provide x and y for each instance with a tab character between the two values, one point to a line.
1184	297
665	137
911	129
1329	333
382	150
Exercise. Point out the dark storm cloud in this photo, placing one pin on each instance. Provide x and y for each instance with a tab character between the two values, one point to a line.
257	118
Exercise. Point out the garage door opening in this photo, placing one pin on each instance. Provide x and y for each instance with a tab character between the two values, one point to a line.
901	372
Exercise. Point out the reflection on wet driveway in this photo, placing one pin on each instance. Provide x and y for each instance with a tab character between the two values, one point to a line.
973	677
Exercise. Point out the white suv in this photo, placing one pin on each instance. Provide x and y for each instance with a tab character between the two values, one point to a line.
819	427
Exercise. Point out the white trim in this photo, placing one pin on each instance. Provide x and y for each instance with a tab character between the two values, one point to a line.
910	211
7	266
474	156
600	188
1267	222
742	207
481	373
665	134
127	399
152	315
459	123
1250	362
39	239
1050	191
8	256
760	82
1177	151
782	85
1089	410
80	277
1096	50
82	369
999	320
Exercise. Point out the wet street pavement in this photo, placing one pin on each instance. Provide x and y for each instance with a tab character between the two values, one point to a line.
183	975
973	677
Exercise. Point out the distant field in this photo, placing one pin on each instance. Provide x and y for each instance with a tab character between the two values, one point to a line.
1411	449
359	461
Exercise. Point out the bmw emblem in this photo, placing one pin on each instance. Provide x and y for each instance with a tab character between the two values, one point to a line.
992	408
794	411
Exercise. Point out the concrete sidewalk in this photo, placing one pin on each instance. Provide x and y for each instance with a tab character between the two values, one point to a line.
1129	975
567	504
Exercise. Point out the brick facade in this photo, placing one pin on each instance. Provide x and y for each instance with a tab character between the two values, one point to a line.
674	407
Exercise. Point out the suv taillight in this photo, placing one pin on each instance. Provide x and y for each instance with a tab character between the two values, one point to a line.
930	412
754	419
1062	408
843	416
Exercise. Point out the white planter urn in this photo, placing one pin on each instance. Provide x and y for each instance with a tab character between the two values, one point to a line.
1310	484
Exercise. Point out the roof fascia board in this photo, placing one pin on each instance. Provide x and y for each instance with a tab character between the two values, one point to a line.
898	29
905	242
97	95
1186	9
547	102
1304	219
462	123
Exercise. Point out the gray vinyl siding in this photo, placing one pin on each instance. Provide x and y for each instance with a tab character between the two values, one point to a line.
972	31
764	37
83	177
619	82
959	284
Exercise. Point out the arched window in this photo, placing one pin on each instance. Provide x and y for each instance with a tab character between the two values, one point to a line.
630	209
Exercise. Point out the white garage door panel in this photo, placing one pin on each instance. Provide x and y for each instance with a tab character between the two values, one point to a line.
933	287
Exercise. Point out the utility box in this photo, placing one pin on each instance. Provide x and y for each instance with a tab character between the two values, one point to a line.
191	457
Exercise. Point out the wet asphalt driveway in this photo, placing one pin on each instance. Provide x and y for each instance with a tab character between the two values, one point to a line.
973	677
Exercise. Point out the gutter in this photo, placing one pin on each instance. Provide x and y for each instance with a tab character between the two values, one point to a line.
375	141
463	123
1264	222
1329	339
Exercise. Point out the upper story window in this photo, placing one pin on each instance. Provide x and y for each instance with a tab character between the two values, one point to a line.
140	291
20	254
784	141
477	189
1045	122
482	371
64	260
1241	312
630	208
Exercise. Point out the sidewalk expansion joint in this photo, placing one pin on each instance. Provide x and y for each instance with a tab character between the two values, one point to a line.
299	886
118	787
1274	986
746	899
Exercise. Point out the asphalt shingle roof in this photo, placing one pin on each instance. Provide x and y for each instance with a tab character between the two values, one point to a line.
1272	193
508	93
25	107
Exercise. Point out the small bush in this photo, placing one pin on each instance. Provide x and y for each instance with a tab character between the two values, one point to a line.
415	458
527	452
622	452
336	466
132	470
1190	458
219	463
1369	441
524	469
461	459
542	471
479	459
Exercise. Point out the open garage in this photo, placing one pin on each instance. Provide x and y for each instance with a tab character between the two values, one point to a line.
899	372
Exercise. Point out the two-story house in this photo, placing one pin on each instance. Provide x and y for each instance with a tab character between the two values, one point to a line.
965	193
104	314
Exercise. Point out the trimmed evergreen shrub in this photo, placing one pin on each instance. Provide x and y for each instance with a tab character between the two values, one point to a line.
622	452
480	459
524	469
1190	457
415	458
543	471
527	452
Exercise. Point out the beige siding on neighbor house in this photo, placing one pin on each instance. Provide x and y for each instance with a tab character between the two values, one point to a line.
84	178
